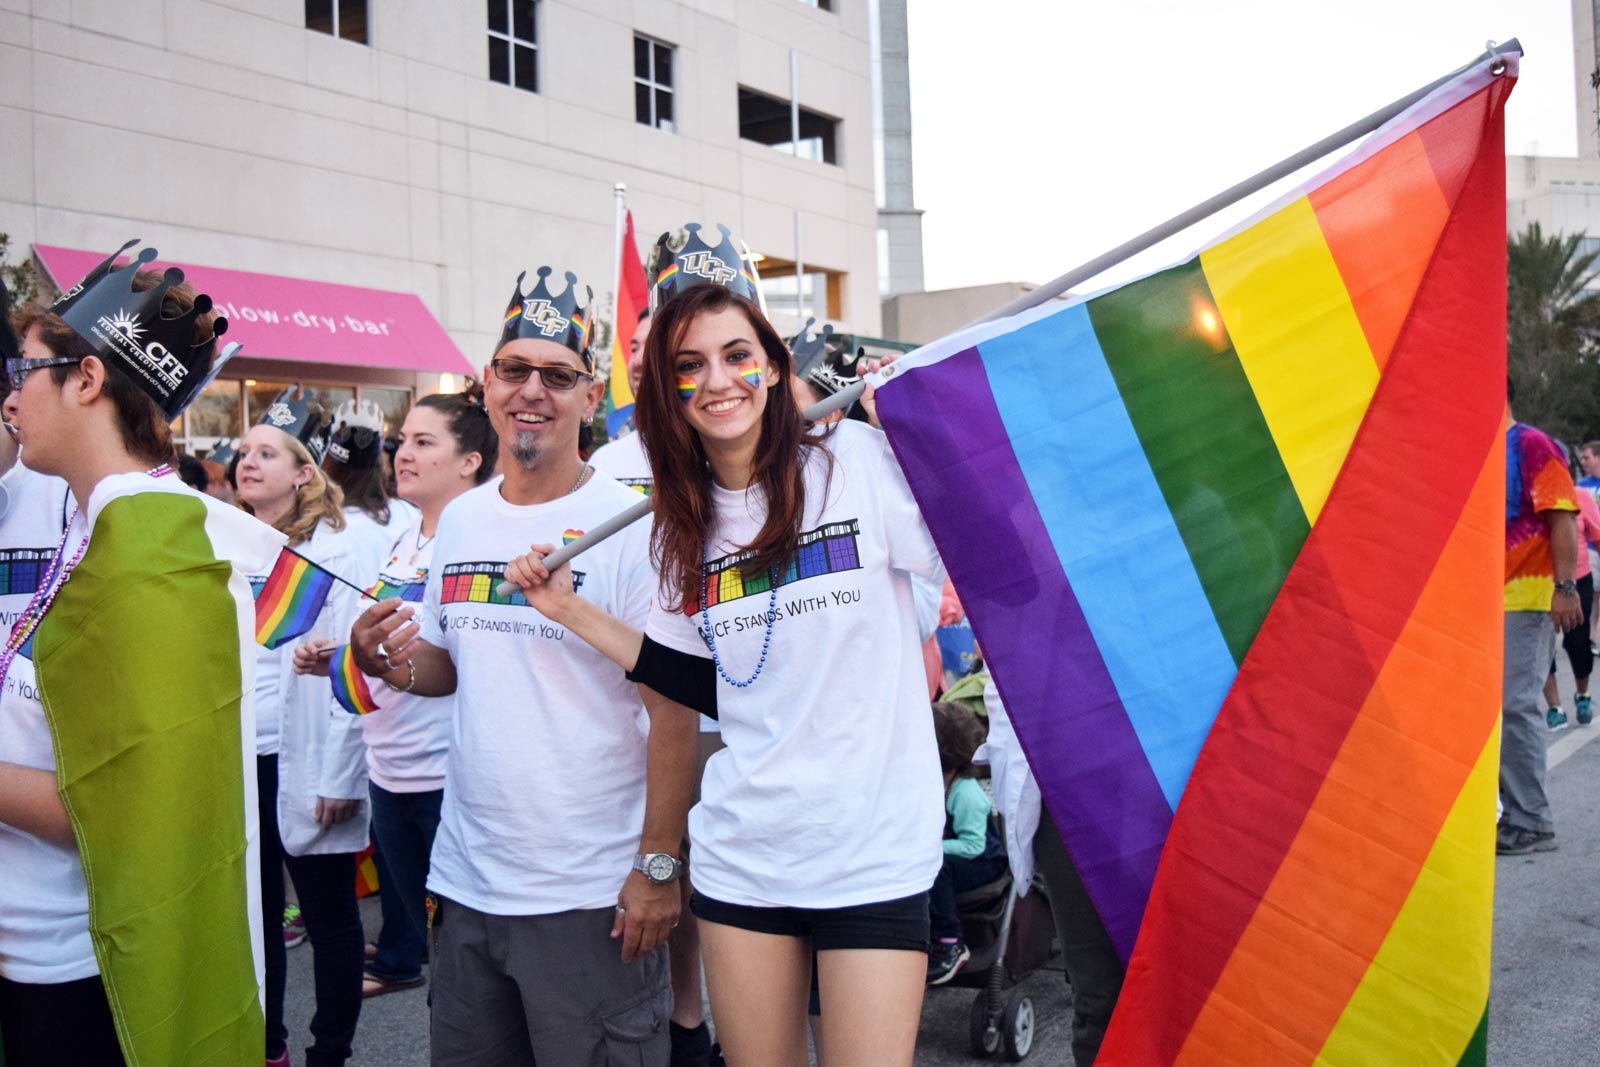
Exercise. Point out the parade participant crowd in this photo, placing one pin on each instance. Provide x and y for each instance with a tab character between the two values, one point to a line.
588	785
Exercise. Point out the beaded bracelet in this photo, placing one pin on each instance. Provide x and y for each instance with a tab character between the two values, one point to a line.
411	665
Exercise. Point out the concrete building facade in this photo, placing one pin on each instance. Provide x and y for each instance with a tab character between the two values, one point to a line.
420	147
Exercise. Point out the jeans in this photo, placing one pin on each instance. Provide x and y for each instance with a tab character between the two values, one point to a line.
326	886
404	825
958	875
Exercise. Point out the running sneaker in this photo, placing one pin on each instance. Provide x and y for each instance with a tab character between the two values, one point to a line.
945	958
1585	710
294	926
1556	719
1517	841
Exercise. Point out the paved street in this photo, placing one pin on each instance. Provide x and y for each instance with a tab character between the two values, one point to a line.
1546	968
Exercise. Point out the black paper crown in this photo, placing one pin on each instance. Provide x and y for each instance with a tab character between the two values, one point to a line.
545	317
682	259
822	359
357	437
129	332
294	414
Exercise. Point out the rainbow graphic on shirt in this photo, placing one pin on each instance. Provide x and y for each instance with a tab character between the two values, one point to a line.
411	591
349	684
21	569
478	583
569	536
828	549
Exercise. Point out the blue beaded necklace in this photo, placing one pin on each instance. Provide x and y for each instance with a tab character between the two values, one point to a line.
711	640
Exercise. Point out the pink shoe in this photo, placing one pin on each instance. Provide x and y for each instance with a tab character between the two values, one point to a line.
279	1061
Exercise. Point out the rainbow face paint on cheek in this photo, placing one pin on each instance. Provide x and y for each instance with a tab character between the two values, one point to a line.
686	388
750	372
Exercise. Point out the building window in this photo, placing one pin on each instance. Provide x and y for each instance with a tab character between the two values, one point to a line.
652	83
341	18
820	290
765	119
823	5
514	43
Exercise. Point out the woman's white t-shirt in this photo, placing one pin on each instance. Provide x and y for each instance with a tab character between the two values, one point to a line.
44	930
829	793
408	736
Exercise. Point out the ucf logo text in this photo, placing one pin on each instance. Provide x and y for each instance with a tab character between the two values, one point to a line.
705	265
548	319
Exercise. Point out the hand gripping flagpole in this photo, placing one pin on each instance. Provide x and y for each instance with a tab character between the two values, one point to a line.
1077	276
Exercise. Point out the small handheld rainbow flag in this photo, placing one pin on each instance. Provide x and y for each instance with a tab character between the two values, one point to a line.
290	601
349	684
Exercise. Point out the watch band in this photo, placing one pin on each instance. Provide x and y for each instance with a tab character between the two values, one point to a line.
1568	586
643	862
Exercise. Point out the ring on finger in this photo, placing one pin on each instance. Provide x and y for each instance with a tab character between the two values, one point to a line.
383	654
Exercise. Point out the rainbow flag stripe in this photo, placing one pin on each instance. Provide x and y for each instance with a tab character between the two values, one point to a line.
288	603
1200	528
349	684
411	592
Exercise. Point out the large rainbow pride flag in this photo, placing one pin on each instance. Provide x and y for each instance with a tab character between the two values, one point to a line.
1230	539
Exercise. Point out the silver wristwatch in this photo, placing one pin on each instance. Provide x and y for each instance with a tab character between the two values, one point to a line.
659	867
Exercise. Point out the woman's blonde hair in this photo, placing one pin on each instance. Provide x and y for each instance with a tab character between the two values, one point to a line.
318	500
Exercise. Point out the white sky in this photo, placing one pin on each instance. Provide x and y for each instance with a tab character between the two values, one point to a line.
1047	131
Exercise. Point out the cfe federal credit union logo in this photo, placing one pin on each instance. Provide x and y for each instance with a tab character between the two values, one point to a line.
706	265
543	315
124	332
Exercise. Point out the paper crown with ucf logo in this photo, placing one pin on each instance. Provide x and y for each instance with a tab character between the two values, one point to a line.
129	332
298	416
357	435
546	317
681	259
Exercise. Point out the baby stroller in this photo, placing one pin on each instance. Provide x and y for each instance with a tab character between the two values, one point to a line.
1009	939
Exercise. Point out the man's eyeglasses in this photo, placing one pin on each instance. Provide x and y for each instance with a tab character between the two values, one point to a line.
17	369
554	376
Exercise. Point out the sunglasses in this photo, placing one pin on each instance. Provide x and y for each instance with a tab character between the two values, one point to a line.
17	369
554	376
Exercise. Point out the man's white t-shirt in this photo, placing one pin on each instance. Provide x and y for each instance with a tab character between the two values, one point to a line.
408	736
545	784
44	932
829	793
624	460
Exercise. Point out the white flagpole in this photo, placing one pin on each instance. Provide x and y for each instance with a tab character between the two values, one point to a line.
1098	265
620	191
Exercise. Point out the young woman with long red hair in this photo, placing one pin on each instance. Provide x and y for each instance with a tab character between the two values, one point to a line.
785	609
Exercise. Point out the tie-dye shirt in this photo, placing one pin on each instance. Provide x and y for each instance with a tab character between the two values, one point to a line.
1537	480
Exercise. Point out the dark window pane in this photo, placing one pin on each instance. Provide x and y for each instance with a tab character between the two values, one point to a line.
499	61
353	20
522	20
663	108
527	69
319	15
641	58
641	103
663	65
497	17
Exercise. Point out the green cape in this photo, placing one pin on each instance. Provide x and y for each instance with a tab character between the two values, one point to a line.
139	672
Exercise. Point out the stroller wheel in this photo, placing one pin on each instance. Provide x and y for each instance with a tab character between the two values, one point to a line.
1018	1027
983	1032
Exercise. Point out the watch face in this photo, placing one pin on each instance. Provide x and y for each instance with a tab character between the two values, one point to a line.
659	868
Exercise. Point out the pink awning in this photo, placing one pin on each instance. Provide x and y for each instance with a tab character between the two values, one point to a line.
303	321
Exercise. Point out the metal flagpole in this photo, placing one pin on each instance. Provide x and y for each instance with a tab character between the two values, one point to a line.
1095	266
620	192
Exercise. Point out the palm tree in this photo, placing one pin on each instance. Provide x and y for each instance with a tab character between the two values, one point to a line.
1553	333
